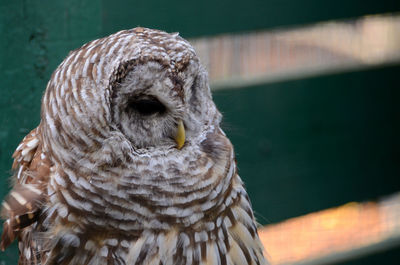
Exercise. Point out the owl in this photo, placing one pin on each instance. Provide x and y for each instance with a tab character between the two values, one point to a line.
129	164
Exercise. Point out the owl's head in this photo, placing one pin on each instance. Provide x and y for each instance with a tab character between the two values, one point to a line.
145	87
162	97
162	102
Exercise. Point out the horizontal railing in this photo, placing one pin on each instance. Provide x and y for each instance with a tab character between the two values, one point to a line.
267	56
334	235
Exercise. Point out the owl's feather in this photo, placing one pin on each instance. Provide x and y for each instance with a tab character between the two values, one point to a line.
129	164
21	209
23	205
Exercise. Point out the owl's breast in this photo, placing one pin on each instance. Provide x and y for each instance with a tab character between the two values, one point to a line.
229	237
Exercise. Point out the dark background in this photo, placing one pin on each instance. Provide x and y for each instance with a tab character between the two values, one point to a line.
302	145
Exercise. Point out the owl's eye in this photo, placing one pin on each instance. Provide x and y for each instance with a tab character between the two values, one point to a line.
147	106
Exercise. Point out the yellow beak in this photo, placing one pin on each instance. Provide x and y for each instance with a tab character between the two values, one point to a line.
180	135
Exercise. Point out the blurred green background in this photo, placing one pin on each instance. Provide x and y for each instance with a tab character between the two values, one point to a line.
302	145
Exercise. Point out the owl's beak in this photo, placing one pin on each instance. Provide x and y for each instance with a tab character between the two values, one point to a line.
180	135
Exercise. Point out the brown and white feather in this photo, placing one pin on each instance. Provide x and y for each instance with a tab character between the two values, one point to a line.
105	183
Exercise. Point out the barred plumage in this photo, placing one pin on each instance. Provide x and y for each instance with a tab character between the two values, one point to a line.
129	164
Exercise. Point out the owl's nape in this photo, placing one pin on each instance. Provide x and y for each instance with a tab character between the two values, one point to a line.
129	164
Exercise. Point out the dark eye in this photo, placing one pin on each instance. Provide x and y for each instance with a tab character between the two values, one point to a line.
147	106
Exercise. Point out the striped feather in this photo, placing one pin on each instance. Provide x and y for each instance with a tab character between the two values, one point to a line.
95	185
21	208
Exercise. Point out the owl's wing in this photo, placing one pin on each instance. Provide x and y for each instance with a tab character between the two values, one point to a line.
22	206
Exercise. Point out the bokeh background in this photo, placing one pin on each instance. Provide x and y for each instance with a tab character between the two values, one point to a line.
310	133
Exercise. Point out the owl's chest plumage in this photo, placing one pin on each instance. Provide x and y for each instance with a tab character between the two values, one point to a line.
220	233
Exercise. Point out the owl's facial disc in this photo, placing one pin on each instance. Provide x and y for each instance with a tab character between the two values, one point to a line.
149	109
149	105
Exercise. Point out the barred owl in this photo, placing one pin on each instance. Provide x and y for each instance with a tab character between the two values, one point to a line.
129	164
